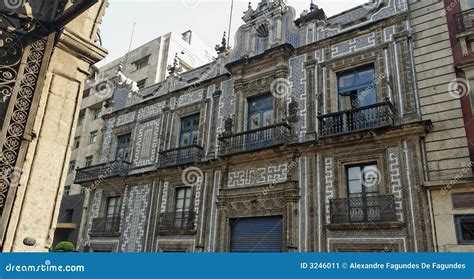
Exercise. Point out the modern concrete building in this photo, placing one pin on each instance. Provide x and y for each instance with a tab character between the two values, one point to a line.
306	136
145	65
43	72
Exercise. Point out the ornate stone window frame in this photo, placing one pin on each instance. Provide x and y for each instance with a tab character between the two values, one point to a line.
342	163
362	61
183	113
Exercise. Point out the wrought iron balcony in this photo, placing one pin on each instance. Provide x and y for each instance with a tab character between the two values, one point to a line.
176	222
180	156
371	209
465	21
355	120
270	136
105	226
102	171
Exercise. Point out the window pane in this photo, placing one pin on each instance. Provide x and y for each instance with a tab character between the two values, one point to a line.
354	173
371	179
347	80
181	193
467	229
355	187
185	139
268	117
255	121
366	76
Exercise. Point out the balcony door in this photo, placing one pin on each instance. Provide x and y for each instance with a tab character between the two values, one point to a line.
260	115
357	89
188	136
112	213
363	192
182	207
123	143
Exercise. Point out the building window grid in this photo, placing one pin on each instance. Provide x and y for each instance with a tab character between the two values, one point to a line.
465	229
93	137
88	162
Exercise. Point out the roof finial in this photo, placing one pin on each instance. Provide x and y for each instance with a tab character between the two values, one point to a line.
250	5
176	68
312	6
223	47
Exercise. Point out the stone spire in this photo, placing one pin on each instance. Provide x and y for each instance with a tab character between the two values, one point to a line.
176	68
312	6
223	47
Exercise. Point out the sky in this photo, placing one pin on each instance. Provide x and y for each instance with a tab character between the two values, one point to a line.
208	19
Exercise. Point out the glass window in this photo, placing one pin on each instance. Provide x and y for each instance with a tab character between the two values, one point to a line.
182	207
89	161
363	180
86	93
93	137
123	143
189	133
142	62
72	166
82	116
260	112
77	142
141	84
67	190
113	207
97	113
357	88
465	229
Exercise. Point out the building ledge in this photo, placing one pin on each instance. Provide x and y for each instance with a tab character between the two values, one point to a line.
366	226
70	226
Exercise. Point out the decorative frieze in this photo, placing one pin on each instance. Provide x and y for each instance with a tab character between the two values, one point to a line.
258	176
297	80
395	180
146	144
164	197
151	111
353	45
93	213
190	98
135	219
329	181
107	140
125	119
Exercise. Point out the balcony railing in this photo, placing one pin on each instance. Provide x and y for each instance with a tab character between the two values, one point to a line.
180	156
175	222
359	119
261	138
106	226
102	171
465	21
371	209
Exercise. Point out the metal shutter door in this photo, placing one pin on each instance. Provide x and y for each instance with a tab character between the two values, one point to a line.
254	235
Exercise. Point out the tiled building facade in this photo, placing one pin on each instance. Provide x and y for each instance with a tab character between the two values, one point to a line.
308	135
